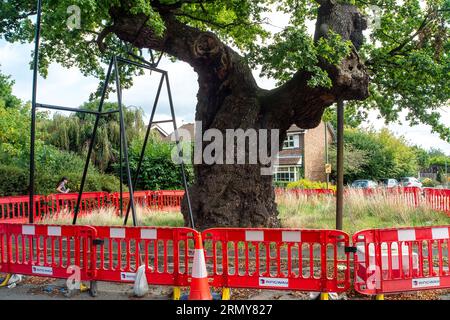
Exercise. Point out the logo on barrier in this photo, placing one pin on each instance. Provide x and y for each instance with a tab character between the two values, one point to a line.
274	282
426	282
42	270
127	276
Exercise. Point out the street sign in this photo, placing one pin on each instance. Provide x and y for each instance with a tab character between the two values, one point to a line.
328	168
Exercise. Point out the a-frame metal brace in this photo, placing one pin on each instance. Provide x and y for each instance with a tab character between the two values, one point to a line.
113	64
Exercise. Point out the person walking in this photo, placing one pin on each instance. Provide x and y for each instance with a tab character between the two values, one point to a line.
61	186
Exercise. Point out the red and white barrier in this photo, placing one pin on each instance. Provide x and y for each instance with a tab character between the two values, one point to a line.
67	202
15	209
47	250
399	260
282	259
167	254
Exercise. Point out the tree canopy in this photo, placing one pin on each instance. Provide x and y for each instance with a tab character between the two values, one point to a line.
406	50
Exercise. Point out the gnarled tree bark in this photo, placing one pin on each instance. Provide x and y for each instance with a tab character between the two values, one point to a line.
229	98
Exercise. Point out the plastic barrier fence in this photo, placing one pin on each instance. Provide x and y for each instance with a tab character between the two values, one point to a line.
384	260
399	260
15	209
66	202
167	254
408	195
48	251
141	198
170	199
438	199
282	259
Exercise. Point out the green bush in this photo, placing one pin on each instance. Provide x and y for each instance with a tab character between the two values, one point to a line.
158	171
14	180
308	184
429	183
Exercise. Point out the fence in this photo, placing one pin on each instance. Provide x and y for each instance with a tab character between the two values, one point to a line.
67	202
170	198
100	253
399	260
384	260
282	259
167	254
45	250
15	209
438	199
148	199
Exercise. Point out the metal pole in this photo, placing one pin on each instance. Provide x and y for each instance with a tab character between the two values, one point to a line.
121	169
33	110
147	135
446	172
326	151
177	139
91	143
340	165
124	141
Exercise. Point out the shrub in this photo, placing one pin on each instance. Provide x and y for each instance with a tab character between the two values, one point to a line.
427	182
14	180
308	184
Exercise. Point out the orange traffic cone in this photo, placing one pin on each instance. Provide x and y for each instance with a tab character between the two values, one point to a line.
199	283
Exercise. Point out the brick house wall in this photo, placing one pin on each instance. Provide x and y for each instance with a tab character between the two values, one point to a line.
314	151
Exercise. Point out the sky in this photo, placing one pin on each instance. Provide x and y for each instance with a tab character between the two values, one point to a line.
68	87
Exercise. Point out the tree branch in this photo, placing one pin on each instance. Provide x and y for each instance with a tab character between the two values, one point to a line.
296	102
202	50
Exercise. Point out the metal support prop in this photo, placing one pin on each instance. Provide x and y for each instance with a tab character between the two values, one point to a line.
177	141
124	142
144	146
33	110
326	153
91	144
340	166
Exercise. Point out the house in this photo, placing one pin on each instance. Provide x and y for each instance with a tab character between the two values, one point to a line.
303	154
159	132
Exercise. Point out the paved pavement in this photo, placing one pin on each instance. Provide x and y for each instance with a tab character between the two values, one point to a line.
51	289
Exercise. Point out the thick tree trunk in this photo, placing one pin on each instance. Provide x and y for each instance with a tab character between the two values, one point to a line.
228	98
231	194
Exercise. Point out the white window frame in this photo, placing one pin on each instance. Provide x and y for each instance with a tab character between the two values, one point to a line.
290	139
286	174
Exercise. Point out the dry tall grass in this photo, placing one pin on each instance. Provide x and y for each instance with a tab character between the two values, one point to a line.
361	211
296	211
108	217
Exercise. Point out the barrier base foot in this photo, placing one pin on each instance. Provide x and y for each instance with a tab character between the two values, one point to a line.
93	289
226	294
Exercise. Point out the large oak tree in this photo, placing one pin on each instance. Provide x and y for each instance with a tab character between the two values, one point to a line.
404	66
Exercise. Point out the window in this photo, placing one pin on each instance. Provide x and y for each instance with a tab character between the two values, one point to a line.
285	174
289	143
